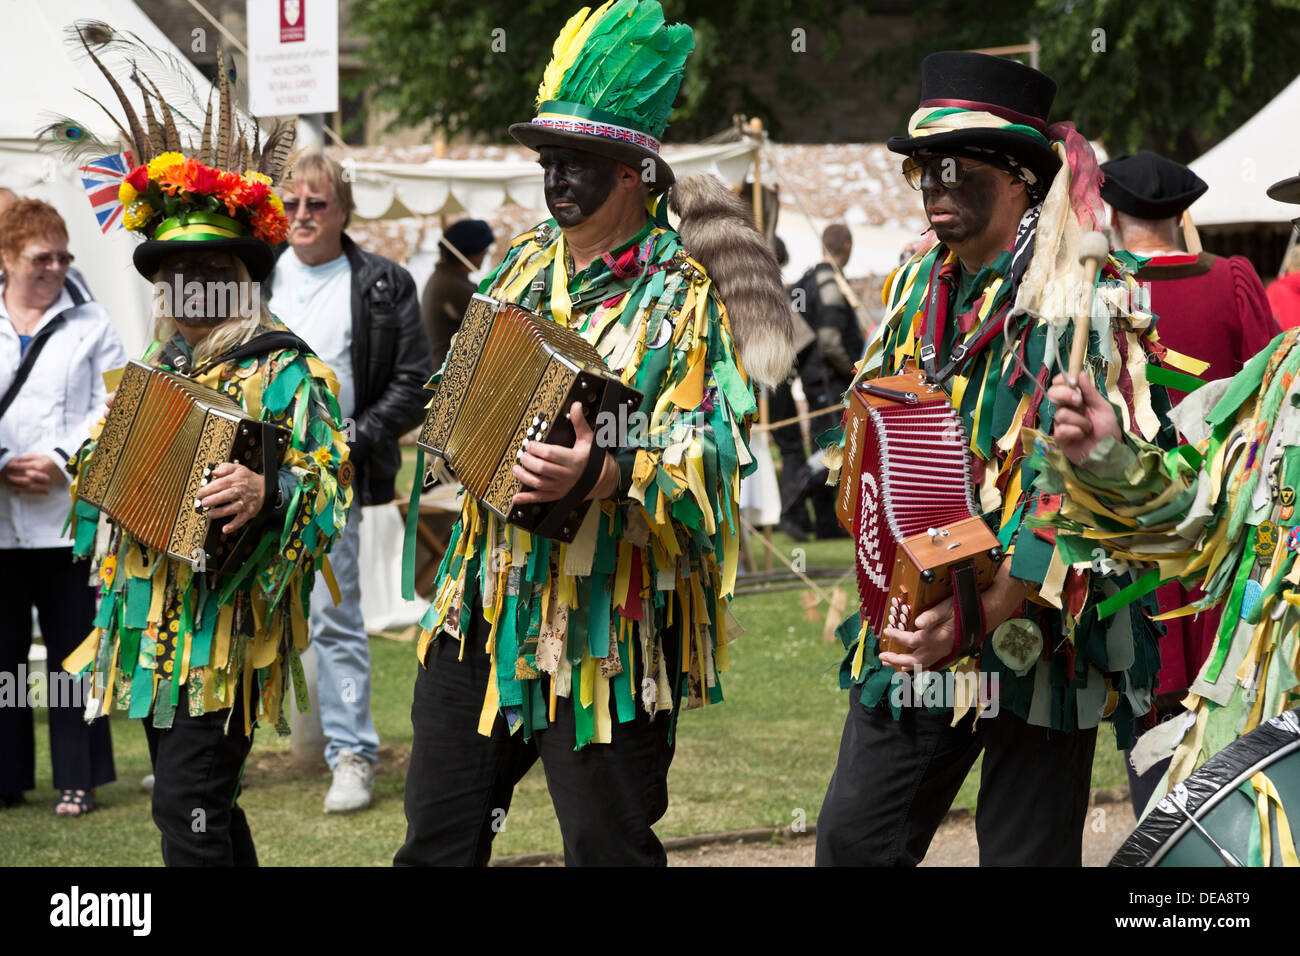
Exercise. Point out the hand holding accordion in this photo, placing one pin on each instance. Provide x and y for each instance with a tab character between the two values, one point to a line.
164	439
905	497
512	377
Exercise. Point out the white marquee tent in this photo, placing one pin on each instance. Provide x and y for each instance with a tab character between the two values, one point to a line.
477	187
1263	150
41	77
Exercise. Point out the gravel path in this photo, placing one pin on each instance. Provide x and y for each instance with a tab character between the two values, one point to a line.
1109	824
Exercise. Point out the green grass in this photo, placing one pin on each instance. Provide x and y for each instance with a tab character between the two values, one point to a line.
757	760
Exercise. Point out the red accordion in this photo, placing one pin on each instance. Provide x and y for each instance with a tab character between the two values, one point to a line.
905	496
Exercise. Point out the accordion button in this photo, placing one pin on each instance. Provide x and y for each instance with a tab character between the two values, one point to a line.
536	421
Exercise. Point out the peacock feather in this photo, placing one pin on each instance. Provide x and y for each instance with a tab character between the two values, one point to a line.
73	141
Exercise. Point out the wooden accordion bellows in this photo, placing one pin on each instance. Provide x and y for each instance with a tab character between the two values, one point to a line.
905	496
163	437
511	377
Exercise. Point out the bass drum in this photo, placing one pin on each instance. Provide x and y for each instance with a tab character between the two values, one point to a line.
1213	818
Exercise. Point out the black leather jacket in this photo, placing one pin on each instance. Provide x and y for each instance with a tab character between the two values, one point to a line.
390	364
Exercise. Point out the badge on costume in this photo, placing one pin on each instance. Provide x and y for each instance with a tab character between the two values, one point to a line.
1287	496
1266	539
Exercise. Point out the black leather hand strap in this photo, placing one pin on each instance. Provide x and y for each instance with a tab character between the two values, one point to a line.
554	520
967	611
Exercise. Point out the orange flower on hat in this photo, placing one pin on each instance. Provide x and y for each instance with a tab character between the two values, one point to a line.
270	224
197	178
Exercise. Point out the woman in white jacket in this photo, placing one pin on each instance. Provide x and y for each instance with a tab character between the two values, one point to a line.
55	345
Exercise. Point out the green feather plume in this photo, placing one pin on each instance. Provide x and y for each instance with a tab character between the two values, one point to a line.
631	65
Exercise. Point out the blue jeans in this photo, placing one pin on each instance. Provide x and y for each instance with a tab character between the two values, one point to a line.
343	653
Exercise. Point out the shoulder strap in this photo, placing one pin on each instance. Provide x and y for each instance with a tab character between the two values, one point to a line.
25	367
259	345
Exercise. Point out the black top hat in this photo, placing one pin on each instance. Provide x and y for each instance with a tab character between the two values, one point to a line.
1286	190
256	254
1016	94
1148	186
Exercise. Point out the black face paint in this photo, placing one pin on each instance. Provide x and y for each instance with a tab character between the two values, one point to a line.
963	212
204	289
577	183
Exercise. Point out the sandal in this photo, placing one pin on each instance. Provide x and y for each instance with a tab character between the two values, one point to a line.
82	800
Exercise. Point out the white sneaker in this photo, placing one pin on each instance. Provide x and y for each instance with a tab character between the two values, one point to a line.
354	780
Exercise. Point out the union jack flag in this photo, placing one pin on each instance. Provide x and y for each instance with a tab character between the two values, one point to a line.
101	179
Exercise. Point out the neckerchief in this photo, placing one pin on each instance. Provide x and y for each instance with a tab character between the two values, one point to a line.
1002	277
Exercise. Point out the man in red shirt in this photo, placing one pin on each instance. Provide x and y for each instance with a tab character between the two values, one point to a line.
1210	308
1284	292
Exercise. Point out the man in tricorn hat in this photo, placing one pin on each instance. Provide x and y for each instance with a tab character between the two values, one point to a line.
1212	309
582	654
1008	197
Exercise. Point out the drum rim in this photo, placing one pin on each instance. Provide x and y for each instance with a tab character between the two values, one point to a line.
1215	799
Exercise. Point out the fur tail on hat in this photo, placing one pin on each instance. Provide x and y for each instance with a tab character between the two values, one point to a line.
717	230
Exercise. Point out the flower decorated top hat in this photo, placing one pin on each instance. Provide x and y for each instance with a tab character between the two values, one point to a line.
194	183
610	86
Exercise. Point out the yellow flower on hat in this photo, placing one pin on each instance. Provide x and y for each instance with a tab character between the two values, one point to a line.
253	176
126	193
137	214
163	161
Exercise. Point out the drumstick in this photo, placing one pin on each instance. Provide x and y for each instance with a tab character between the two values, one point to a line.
1092	253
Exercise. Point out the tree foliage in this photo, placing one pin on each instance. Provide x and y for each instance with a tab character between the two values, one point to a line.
472	66
1175	76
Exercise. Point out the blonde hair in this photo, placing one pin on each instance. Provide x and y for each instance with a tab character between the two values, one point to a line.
314	164
1292	261
234	331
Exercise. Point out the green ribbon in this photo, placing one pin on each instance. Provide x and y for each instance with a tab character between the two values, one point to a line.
180	228
1172	378
1143	585
412	522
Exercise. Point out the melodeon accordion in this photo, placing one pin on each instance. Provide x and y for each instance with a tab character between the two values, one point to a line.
161	441
905	496
512	376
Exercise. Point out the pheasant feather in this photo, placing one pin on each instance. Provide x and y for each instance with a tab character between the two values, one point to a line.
225	117
139	141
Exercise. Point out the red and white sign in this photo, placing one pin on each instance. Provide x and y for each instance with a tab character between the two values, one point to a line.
291	28
293	57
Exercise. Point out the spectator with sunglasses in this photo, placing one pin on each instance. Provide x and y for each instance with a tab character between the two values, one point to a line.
55	344
361	315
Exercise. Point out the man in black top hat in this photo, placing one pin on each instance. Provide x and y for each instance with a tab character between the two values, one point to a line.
1210	308
462	249
1008	196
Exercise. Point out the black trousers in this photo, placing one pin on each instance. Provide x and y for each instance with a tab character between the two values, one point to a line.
198	766
895	780
81	753
459	784
794	458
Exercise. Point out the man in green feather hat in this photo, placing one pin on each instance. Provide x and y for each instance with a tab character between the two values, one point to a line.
582	654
